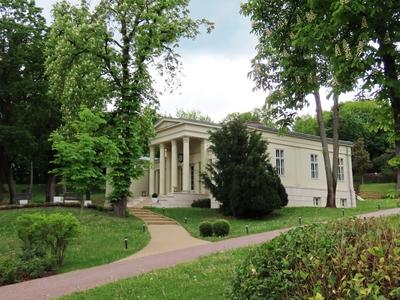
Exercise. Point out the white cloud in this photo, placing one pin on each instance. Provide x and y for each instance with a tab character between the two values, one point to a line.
215	85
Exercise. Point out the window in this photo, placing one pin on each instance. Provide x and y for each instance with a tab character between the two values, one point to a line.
192	178
317	201
340	171
343	202
280	162
314	166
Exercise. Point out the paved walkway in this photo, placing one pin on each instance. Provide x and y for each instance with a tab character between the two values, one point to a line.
62	284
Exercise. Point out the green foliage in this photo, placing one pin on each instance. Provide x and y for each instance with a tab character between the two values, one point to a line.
193	115
221	227
241	177
27	114
8	270
46	235
104	56
201	203
206	229
258	115
360	158
83	151
334	260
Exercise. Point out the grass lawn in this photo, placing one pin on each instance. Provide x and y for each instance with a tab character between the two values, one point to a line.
285	217
101	239
206	278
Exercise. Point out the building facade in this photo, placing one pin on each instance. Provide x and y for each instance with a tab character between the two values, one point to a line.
179	153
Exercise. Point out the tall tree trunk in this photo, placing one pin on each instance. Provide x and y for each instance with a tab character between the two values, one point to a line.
335	158
396	112
31	180
11	184
1	188
2	177
392	88
51	188
120	207
330	201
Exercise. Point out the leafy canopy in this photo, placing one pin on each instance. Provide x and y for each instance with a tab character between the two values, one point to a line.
83	151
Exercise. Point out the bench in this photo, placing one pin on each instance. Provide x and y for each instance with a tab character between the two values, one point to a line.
23	198
72	197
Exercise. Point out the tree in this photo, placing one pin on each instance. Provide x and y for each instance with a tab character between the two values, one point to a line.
241	177
358	119
309	125
26	113
193	115
360	159
293	61
104	57
370	32
258	115
83	151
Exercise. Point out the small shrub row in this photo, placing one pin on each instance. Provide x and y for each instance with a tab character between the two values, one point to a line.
44	239
202	203
218	228
350	259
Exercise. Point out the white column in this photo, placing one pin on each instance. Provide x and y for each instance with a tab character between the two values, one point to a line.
167	171
203	161
162	169
186	165
174	166
151	172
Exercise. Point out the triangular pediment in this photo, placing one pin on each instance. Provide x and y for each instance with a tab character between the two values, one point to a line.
166	123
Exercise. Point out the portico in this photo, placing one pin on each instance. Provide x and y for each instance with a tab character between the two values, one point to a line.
176	165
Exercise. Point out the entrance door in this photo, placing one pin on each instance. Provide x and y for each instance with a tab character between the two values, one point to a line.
180	179
157	182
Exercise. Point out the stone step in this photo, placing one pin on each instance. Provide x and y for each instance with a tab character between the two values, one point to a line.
151	218
165	222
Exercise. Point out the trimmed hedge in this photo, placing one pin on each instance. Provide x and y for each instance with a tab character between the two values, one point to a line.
221	227
201	203
350	259
206	229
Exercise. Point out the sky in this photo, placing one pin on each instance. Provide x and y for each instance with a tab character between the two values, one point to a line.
215	70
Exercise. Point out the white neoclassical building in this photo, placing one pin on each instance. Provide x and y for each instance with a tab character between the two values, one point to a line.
179	153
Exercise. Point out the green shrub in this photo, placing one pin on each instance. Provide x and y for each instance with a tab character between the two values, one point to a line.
221	227
206	228
350	259
202	203
43	235
8	270
242	178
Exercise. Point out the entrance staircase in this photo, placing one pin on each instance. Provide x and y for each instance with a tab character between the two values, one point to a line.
151	218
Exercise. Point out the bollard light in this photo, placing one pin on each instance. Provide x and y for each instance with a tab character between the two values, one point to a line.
144	227
247	229
185	220
342	212
300	221
126	243
163	211
379	206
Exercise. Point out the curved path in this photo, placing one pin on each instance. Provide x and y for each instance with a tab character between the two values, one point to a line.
62	284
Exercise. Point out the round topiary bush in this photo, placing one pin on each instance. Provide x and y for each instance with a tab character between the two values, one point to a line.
206	228
332	261
221	227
